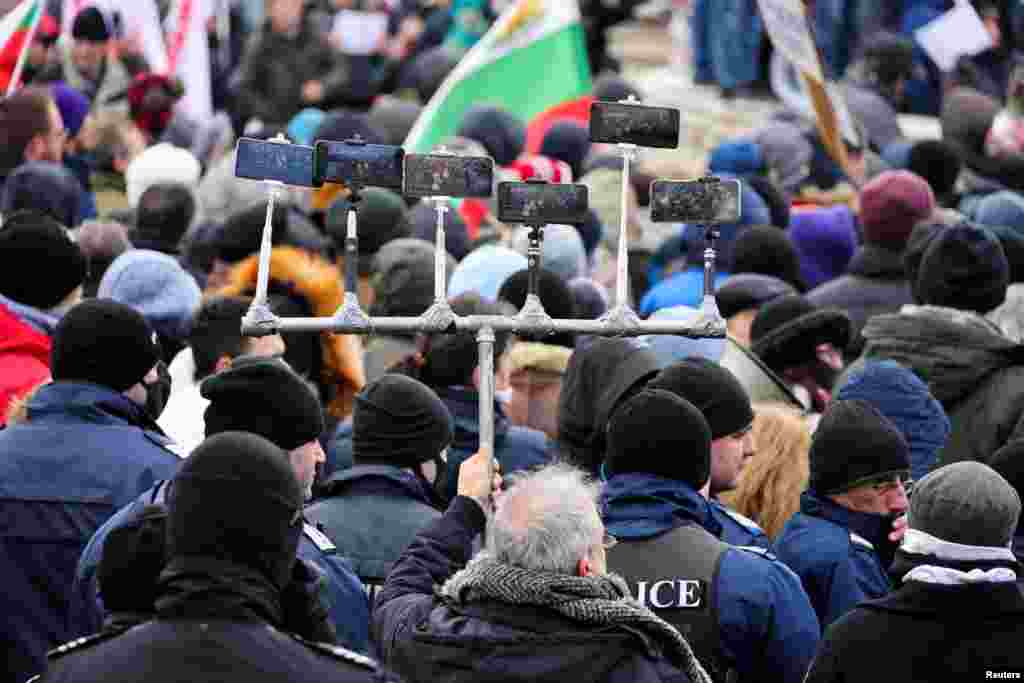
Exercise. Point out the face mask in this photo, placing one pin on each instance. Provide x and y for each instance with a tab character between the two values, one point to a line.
440	485
503	396
158	393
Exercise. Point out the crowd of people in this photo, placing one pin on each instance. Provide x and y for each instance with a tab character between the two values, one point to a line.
834	484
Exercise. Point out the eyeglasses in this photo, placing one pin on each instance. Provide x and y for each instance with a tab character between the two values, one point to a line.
891	485
609	541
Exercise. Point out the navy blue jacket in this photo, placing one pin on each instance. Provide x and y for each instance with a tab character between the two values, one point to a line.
737	529
84	453
516	448
425	638
767	625
372	513
835	552
348	603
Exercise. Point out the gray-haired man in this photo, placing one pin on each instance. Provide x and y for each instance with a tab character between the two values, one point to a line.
536	605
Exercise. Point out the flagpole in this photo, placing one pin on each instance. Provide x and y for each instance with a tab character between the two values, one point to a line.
19	67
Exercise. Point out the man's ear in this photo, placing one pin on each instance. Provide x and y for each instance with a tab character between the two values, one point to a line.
583	568
35	148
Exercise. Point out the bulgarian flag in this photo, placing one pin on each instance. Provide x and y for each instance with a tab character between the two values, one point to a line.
17	28
532	62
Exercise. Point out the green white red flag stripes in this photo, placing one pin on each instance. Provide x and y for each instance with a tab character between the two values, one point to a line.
17	29
533	59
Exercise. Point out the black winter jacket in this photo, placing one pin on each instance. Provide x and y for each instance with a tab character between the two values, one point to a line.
875	283
925	632
276	66
975	372
215	621
426	638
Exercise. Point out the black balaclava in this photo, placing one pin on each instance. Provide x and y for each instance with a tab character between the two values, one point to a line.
236	499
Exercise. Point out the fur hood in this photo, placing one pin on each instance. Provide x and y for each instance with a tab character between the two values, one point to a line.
319	282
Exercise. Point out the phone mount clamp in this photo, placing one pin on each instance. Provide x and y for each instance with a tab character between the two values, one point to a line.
532	312
259	318
440	313
621	313
351	312
709	307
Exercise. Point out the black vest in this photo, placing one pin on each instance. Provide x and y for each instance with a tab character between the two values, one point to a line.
674	575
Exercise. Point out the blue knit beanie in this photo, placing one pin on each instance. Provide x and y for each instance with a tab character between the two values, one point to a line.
155	285
903	397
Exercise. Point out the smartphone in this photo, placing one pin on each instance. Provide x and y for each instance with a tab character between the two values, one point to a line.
708	201
280	161
361	165
542	203
635	124
447	175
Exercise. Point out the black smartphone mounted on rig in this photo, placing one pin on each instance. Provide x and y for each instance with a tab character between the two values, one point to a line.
708	201
539	203
277	161
448	175
355	163
635	124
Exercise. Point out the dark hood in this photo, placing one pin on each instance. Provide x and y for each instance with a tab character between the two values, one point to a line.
953	351
596	379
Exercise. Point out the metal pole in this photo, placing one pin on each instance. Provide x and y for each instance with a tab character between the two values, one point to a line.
710	304
520	325
533	259
622	274
352	247
266	245
441	256
485	340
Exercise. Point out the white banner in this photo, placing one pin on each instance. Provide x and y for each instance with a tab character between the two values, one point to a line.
189	54
957	33
790	33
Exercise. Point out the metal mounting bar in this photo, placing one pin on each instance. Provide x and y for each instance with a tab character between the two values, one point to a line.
713	329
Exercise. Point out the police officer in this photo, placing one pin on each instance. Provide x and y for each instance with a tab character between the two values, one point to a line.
233	527
374	509
745	614
725	405
263	396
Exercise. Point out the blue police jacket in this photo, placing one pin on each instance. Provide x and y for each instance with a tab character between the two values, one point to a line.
767	625
737	529
349	605
836	554
84	452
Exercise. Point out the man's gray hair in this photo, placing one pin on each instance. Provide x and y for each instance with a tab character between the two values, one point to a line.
546	520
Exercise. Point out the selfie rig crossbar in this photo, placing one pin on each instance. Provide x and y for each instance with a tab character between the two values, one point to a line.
532	320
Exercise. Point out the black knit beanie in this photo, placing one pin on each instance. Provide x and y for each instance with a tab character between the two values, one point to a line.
555	296
90	25
713	389
855	445
767	250
236	498
381	216
266	397
103	342
242	233
656	432
964	267
399	421
39	264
